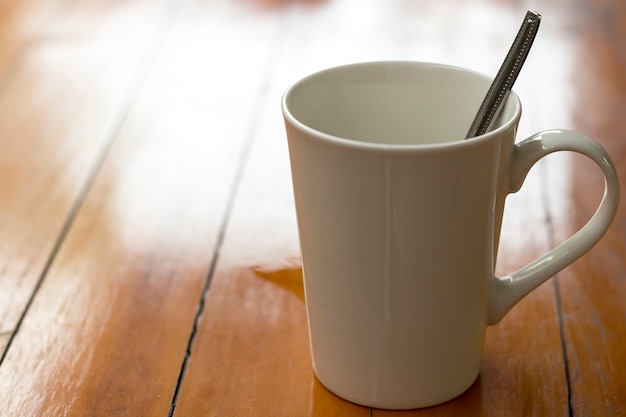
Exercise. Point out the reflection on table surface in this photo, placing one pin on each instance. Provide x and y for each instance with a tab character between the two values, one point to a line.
149	253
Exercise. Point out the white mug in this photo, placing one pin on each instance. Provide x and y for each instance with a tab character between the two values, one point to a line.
399	220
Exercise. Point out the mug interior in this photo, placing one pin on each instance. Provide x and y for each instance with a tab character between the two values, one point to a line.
393	103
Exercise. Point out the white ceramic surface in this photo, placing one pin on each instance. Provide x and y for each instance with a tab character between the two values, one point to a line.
399	220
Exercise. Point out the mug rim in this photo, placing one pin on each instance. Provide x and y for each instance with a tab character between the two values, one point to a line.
510	123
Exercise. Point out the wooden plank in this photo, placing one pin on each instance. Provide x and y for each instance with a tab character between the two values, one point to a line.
250	356
593	290
18	24
56	117
109	327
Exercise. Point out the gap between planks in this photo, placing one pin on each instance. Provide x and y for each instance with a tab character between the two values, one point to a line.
169	15
277	43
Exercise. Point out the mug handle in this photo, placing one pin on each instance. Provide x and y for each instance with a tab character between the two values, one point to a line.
507	291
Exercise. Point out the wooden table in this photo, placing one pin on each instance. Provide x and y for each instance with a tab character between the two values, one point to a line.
148	248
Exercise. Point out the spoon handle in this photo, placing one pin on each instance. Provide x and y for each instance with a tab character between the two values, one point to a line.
507	75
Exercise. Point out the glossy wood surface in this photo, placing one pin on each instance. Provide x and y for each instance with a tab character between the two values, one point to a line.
149	262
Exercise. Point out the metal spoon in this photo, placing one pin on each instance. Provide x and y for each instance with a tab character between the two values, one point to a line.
507	75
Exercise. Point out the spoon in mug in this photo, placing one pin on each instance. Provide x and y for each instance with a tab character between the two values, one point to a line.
502	84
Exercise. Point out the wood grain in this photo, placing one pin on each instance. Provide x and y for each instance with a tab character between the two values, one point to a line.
149	263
